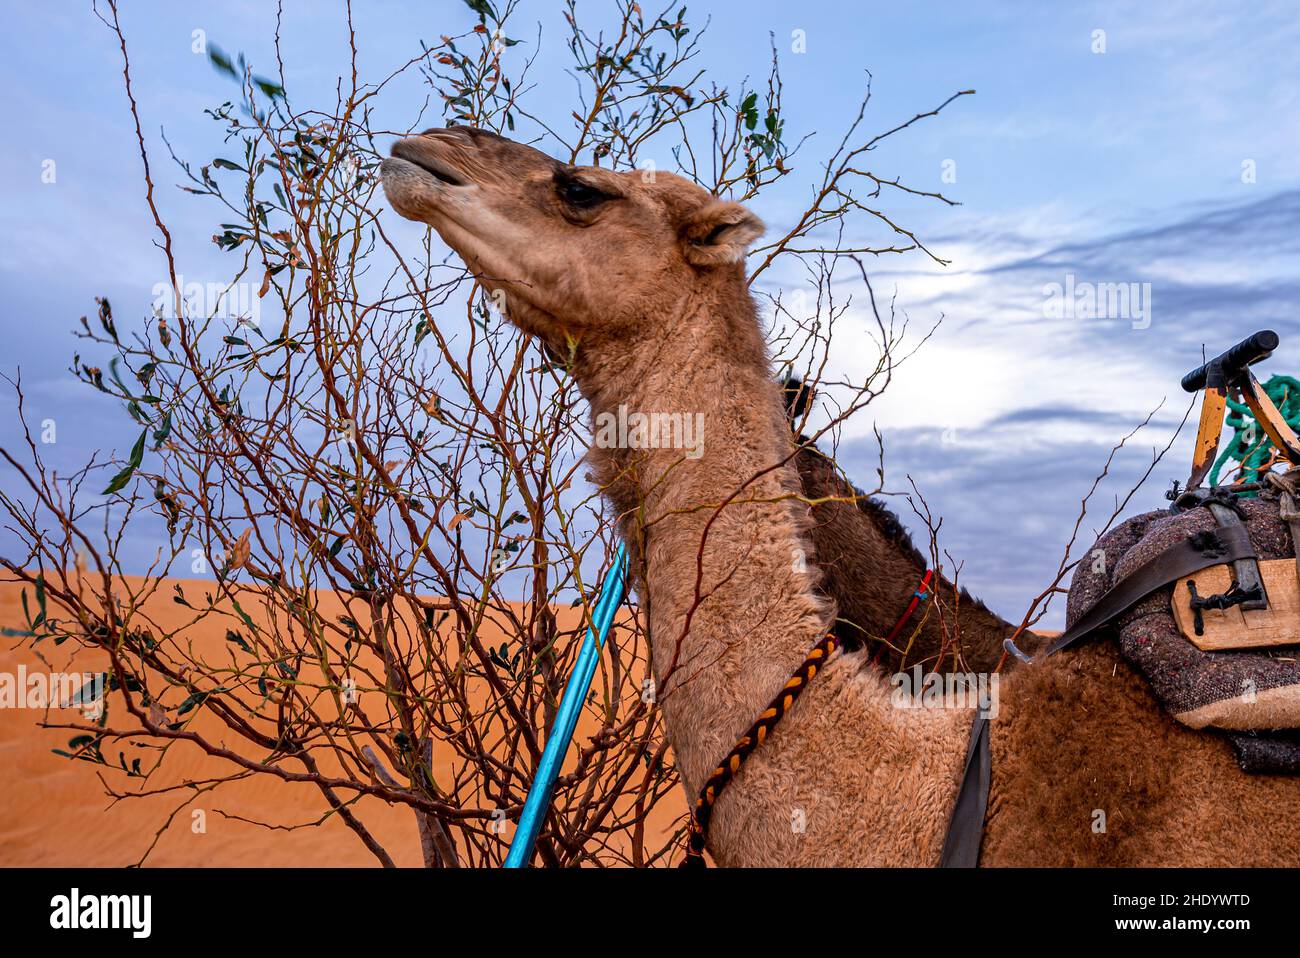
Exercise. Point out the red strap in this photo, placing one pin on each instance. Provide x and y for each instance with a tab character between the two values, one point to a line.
919	596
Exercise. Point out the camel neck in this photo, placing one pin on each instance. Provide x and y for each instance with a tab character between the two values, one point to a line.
692	446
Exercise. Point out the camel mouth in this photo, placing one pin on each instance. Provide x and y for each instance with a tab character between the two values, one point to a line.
417	153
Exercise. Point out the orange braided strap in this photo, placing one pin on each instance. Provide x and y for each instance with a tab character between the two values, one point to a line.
751	740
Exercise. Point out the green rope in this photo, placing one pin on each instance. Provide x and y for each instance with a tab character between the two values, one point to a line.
1250	445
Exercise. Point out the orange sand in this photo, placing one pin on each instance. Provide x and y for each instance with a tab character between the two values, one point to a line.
55	812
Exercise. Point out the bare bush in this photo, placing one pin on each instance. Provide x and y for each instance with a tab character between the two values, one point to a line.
380	479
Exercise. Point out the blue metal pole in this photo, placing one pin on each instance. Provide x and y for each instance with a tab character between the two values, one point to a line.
566	719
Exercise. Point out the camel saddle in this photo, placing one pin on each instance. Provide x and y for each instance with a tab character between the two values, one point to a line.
1204	601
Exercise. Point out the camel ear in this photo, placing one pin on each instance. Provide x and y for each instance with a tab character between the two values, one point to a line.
719	232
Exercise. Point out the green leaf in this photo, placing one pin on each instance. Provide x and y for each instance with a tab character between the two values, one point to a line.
268	87
163	431
482	8
243	615
221	62
112	370
123	477
40	600
195	700
93	684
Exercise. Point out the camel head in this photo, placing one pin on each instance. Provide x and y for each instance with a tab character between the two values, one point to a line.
574	249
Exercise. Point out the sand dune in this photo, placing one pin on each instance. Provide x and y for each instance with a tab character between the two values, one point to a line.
55	812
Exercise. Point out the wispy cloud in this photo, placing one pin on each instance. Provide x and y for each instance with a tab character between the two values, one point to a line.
1006	416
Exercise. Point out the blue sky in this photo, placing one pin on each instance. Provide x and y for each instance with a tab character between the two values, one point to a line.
1123	166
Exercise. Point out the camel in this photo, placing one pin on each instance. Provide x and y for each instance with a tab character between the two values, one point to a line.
641	280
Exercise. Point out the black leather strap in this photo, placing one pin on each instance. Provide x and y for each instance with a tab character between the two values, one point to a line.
1200	551
961	846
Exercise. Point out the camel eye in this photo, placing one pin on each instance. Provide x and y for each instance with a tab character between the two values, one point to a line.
581	196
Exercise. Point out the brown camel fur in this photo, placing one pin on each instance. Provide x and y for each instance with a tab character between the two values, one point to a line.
870	569
641	280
